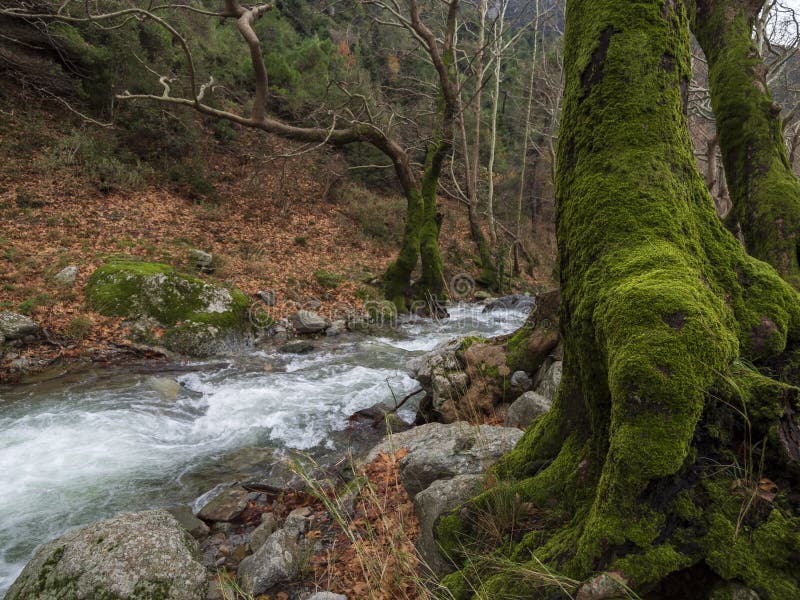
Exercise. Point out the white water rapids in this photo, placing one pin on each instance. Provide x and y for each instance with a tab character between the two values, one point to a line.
98	442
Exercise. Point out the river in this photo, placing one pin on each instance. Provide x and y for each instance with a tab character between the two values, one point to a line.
105	440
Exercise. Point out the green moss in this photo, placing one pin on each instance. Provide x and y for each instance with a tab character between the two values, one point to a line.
764	190
131	288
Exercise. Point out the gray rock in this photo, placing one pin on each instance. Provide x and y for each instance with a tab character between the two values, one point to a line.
225	506
517	302
306	321
194	339
203	261
526	408
130	556
298	520
447	388
276	561
730	590
167	387
482	295
183	514
269	298
439	451
549	381
521	381
14	326
262	532
297	347
431	503
67	275
338	327
438	361
326	596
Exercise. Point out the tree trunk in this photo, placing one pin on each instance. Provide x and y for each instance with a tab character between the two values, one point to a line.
764	190
650	462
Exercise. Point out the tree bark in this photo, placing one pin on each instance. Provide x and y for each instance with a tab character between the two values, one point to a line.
649	464
764	190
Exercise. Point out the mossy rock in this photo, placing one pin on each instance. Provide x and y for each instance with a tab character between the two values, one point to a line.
191	308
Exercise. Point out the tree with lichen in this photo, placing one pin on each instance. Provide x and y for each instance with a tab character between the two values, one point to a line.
764	189
669	462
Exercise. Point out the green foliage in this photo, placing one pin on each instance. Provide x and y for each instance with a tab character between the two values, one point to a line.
327	279
78	328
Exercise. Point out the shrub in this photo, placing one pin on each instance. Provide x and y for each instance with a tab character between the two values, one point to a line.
79	327
327	279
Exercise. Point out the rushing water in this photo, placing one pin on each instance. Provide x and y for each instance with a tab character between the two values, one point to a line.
95	443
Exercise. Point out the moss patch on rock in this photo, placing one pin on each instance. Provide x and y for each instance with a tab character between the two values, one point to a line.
191	308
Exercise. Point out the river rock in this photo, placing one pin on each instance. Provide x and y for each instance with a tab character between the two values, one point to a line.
130	556
262	532
526	408
196	314
521	381
183	514
297	347
431	503
338	327
166	387
517	302
66	276
14	326
438	451
440	360
307	321
225	506
278	560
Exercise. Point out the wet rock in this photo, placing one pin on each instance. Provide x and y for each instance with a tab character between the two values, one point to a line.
183	514
482	295
338	327
526	408
297	347
306	321
431	503
112	559
438	451
263	531
194	339
520	380
517	302
66	276
166	387
14	326
277	561
225	506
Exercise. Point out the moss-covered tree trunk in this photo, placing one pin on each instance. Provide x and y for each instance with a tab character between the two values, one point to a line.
650	462
764	190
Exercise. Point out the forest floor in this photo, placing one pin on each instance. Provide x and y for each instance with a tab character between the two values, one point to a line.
270	225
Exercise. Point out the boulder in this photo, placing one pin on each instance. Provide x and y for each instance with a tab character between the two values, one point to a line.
439	498
440	360
338	327
14	326
183	514
306	321
225	506
66	276
277	561
195	312
130	556
167	387
438	451
526	408
517	302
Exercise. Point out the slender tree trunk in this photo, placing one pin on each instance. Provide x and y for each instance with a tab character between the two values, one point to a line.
662	314
497	48
764	190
